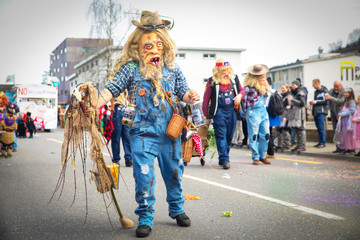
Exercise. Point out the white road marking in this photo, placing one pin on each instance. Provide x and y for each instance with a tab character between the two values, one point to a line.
57	141
287	204
54	140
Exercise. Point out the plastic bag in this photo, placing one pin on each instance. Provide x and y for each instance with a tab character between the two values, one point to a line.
336	138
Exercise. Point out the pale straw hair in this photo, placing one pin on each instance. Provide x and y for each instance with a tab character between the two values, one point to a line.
253	81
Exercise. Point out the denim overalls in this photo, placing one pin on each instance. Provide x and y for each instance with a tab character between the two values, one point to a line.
148	141
224	125
120	131
257	120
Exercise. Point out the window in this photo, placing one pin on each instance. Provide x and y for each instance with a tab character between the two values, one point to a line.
87	67
79	71
54	57
66	92
58	70
75	82
180	55
62	92
61	65
96	62
92	65
65	64
209	56
72	83
88	49
57	56
61	51
64	50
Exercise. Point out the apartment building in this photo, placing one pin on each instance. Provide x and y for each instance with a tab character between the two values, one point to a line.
69	53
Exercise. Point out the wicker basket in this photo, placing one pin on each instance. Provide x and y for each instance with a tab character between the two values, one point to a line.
187	150
175	126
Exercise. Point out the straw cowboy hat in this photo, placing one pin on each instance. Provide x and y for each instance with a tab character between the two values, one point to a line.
258	69
151	21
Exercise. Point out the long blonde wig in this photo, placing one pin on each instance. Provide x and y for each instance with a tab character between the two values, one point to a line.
253	81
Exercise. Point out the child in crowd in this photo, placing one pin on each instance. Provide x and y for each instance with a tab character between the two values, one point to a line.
21	126
30	124
347	143
8	125
356	124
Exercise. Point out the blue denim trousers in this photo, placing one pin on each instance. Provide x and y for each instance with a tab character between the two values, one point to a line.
224	127
120	132
149	141
257	120
320	125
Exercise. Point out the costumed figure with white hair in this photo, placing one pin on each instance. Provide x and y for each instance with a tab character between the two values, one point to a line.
147	70
257	117
223	92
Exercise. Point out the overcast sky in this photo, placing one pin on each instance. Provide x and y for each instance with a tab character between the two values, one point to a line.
272	32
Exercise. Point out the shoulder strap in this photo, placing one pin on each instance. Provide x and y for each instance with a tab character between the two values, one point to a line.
234	88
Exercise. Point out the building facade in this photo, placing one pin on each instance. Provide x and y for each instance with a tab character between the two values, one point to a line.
196	64
95	68
326	67
65	56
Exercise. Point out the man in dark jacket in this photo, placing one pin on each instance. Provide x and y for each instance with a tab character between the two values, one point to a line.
319	110
335	100
297	114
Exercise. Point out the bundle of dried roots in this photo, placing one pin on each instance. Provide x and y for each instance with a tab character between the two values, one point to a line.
81	123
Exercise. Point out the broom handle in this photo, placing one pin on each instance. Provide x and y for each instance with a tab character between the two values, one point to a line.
116	203
111	190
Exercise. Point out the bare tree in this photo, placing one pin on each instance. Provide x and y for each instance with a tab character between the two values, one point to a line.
335	45
110	20
354	36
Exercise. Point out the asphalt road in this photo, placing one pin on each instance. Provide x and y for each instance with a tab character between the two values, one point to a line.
296	197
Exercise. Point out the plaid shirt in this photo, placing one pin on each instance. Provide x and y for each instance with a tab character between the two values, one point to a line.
125	79
250	97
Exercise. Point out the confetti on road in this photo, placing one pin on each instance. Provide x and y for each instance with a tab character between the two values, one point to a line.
227	214
189	197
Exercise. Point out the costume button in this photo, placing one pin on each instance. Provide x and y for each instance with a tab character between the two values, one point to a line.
141	92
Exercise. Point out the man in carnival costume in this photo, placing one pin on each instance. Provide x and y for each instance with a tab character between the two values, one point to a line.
223	92
147	70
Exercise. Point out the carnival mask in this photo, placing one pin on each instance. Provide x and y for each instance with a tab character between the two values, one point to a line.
151	48
224	71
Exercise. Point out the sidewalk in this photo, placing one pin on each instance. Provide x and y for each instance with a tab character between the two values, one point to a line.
325	152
